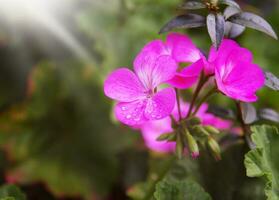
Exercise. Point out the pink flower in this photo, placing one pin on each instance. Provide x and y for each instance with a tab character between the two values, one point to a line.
236	75
183	50
136	93
153	129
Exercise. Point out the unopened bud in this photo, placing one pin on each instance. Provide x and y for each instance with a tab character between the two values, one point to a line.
212	130
166	136
194	121
215	148
192	145
200	131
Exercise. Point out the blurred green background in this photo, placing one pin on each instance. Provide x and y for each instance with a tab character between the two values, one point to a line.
58	136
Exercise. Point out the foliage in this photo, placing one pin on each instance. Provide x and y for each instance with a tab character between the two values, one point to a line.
180	190
11	192
262	162
60	141
64	135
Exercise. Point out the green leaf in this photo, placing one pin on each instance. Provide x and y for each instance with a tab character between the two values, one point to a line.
230	11
11	192
249	113
253	21
192	5
263	160
230	3
271	81
180	190
216	28
184	21
232	30
226	179
269	114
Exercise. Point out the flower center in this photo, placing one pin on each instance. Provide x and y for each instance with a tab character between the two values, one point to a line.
149	93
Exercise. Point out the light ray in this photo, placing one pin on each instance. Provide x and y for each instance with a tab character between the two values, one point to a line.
39	11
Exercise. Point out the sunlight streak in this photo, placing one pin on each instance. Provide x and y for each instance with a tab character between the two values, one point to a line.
40	12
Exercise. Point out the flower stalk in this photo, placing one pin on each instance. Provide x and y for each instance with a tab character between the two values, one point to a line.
203	79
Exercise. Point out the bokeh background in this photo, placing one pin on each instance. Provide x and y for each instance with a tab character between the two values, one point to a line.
58	136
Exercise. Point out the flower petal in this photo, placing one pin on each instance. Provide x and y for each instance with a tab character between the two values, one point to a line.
181	82
160	105
164	69
156	47
182	48
229	51
131	113
123	85
152	130
188	76
241	82
238	55
224	50
210	119
154	65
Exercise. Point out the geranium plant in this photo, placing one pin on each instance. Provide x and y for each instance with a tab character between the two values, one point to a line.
152	97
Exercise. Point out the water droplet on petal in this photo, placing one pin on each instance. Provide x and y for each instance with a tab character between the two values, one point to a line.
128	117
158	116
137	119
123	108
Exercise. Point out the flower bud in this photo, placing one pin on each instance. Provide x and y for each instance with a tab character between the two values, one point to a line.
200	131
211	130
215	148
194	121
166	136
192	145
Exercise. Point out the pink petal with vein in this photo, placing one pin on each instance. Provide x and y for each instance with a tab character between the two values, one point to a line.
220	56
132	113
182	48
154	64
160	105
237	78
188	76
224	50
123	85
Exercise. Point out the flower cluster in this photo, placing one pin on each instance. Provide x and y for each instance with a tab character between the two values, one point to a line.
145	101
153	129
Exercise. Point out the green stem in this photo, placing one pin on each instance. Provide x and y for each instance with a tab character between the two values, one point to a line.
209	94
178	104
201	83
245	127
